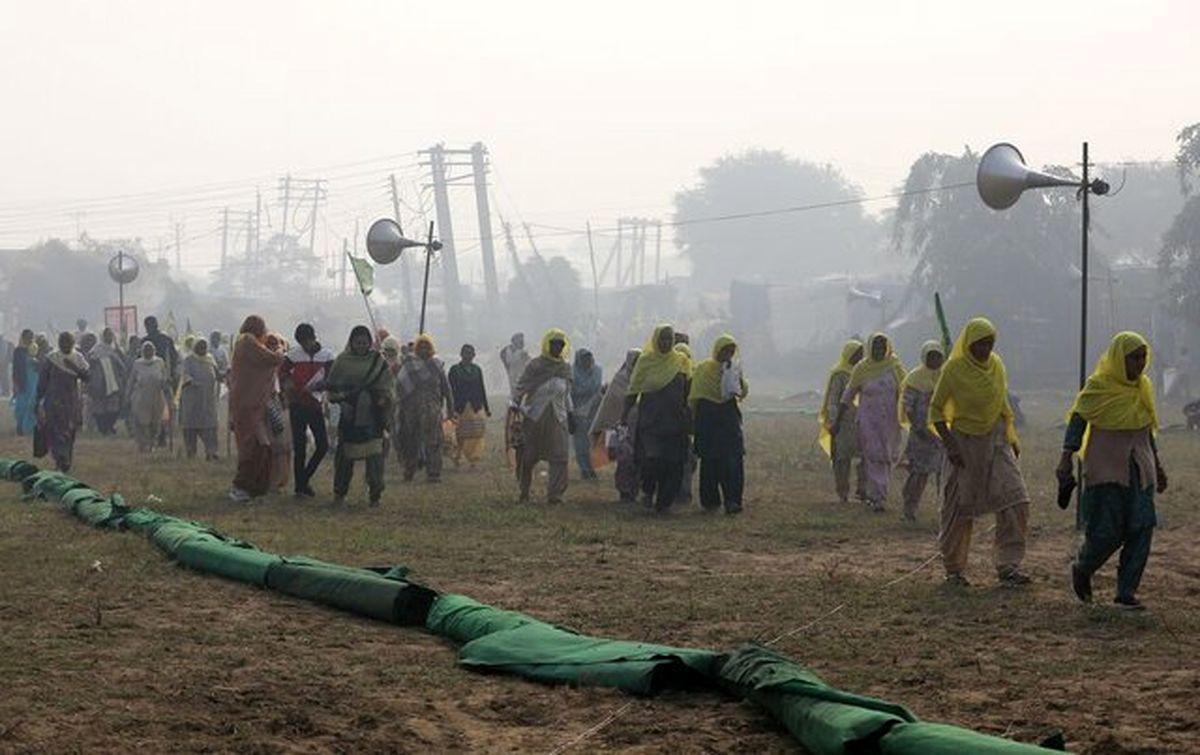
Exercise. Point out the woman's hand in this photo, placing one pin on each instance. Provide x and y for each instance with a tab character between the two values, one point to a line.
1161	474
1065	470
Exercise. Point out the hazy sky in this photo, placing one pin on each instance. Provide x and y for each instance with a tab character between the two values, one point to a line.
590	110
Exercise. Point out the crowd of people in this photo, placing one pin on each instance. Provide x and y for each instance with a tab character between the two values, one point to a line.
659	418
962	421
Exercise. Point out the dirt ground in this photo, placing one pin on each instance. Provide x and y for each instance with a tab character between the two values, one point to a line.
146	655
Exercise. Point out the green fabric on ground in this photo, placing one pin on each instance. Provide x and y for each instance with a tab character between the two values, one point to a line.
361	591
50	485
922	738
169	535
462	619
825	720
550	654
234	560
16	470
145	521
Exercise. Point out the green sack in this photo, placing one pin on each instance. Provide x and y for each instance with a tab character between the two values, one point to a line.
361	591
550	654
825	720
922	738
462	619
238	561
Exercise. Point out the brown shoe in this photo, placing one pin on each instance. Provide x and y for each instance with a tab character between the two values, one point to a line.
1011	576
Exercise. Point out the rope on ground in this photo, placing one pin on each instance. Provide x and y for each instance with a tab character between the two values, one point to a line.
840	606
594	730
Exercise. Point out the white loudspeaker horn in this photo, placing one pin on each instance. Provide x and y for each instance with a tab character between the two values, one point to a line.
385	241
1003	176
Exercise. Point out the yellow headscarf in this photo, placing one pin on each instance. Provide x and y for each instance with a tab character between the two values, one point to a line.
655	369
921	378
843	367
706	379
970	395
870	369
1110	400
555	334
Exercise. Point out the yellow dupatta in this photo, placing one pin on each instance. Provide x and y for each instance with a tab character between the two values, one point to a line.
971	396
921	378
842	367
556	334
1110	400
706	379
655	369
869	369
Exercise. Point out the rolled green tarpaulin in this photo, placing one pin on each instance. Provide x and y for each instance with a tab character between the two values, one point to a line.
51	486
922	738
361	591
145	521
550	654
173	533
16	470
825	720
231	559
462	619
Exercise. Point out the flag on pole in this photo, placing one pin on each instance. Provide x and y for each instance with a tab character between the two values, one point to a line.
364	273
171	328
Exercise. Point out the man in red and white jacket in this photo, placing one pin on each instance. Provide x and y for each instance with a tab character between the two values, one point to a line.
303	374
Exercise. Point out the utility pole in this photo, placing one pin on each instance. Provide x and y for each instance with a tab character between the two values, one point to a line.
178	244
657	250
479	169
405	263
451	292
345	257
224	236
287	195
257	223
317	190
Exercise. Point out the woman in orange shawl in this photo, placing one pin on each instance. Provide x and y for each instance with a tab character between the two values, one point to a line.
251	385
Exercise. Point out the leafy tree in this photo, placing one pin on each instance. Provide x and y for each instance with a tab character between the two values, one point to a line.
1018	267
1179	259
547	290
785	246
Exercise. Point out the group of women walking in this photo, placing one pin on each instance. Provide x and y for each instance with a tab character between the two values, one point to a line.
961	421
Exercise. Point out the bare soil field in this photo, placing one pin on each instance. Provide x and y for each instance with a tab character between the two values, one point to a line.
146	655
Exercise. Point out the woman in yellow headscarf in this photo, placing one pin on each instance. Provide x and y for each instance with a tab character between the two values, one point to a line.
717	387
923	454
543	394
875	386
840	443
1111	425
659	388
972	416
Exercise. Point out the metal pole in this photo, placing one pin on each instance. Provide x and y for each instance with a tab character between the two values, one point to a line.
1083	297
121	296
1083	319
425	287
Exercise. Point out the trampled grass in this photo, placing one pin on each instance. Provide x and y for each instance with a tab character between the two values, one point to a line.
149	655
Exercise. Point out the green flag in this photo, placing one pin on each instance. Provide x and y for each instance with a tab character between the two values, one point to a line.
364	273
941	318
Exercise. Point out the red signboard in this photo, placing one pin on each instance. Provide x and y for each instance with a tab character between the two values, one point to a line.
113	317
